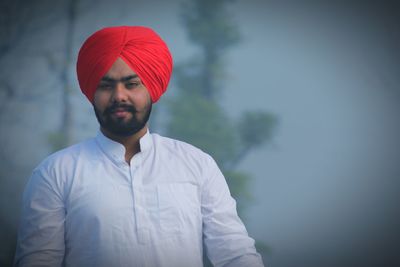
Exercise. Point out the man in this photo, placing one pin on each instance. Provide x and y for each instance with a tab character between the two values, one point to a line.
128	197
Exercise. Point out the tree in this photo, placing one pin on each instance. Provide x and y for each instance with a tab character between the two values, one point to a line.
195	114
63	136
22	20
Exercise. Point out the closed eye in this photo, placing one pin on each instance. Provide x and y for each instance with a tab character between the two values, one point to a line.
132	85
105	86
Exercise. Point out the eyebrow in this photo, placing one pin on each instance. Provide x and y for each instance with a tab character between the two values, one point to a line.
123	79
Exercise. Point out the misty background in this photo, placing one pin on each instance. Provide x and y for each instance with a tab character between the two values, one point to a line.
324	187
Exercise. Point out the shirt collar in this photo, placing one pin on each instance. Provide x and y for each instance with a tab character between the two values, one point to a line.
115	150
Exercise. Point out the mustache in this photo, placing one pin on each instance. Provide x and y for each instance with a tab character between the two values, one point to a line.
120	106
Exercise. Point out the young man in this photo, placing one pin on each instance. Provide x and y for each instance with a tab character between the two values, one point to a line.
128	197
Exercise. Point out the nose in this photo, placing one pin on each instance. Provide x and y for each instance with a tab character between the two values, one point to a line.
120	93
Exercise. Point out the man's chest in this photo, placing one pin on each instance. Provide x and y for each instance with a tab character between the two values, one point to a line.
120	202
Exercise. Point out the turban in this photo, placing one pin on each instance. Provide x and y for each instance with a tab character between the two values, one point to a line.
140	47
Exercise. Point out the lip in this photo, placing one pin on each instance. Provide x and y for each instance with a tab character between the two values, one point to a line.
120	113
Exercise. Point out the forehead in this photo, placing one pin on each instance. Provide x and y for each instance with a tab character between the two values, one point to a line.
119	69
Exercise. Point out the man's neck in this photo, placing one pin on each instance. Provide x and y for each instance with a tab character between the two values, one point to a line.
131	143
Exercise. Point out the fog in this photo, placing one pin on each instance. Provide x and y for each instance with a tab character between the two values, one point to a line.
326	190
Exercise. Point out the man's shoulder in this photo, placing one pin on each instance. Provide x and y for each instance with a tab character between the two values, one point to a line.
183	155
174	148
67	155
177	146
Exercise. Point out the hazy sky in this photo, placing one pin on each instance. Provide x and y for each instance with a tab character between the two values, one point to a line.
327	188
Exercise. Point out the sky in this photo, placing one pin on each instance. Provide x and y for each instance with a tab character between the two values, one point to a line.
328	185
326	189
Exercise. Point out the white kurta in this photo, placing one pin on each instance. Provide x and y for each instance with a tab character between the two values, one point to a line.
85	206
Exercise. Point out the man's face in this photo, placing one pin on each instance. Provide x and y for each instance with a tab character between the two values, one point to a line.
122	103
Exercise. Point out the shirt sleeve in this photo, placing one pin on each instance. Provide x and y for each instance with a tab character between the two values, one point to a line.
226	240
41	231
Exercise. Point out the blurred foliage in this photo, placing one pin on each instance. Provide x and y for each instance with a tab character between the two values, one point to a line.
196	114
208	27
256	127
57	140
204	124
201	16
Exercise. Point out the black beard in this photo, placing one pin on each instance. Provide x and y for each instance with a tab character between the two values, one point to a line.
120	127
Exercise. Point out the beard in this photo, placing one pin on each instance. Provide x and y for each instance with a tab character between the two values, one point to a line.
121	126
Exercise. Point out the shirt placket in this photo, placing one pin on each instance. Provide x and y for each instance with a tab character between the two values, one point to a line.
142	231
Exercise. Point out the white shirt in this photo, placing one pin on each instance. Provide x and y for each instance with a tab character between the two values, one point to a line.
85	206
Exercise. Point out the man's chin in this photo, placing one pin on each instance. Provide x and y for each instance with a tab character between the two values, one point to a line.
123	129
121	132
122	124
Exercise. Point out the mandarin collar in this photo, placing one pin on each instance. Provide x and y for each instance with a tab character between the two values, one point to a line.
115	150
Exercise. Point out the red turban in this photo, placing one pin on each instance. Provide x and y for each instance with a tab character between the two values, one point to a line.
140	47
